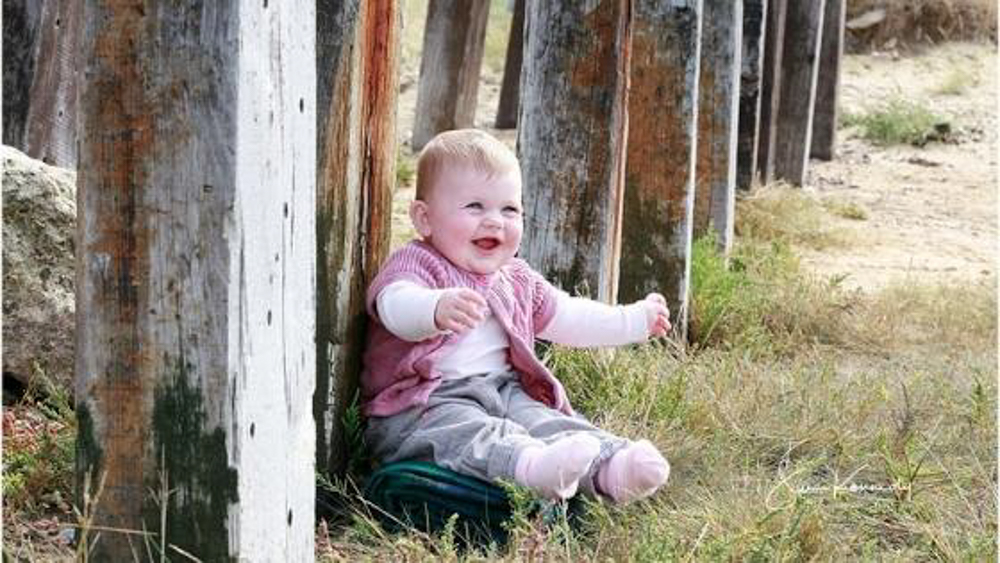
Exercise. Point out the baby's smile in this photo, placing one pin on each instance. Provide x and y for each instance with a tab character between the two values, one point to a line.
486	243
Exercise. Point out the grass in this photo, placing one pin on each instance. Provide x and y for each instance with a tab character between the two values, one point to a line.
846	209
958	82
807	422
38	453
898	121
783	214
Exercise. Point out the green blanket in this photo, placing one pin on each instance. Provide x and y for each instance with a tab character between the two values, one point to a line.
426	496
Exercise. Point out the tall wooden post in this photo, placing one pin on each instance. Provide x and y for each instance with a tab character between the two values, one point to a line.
754	18
195	287
662	144
828	81
21	22
357	77
571	141
770	95
718	113
454	38
511	86
793	136
40	78
50	135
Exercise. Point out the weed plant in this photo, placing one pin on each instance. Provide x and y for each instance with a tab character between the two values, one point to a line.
898	121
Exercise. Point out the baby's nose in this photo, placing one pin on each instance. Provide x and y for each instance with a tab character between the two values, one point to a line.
492	220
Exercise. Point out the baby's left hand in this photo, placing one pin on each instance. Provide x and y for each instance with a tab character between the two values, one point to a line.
657	315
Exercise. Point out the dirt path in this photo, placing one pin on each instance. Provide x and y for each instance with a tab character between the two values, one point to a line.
932	211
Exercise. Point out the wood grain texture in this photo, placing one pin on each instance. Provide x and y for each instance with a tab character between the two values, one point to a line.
662	143
754	20
824	136
800	66
195	275
357	66
510	88
50	134
718	116
770	96
571	141
21	22
450	63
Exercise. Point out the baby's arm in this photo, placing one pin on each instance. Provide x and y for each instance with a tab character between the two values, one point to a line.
413	312
583	322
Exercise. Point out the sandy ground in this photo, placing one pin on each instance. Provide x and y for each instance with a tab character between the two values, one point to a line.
931	211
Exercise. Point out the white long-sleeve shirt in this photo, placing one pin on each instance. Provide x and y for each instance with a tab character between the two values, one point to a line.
407	310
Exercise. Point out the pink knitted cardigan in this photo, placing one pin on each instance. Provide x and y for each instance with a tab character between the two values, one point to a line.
399	374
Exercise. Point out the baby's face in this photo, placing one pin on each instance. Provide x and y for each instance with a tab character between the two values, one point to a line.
474	220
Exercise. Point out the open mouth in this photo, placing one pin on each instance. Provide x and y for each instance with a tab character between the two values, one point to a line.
486	243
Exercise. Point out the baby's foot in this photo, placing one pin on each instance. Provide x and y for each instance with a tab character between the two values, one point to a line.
634	472
554	470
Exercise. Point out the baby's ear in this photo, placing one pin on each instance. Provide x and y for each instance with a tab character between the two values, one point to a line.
419	218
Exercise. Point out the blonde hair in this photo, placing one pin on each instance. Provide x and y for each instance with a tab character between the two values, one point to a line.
469	147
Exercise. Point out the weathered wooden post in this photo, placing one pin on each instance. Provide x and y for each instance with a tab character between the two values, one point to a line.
195	278
45	90
511	86
662	144
800	63
454	38
571	141
718	114
357	78
754	17
21	22
825	109
770	95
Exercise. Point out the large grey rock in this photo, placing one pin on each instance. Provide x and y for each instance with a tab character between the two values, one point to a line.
39	225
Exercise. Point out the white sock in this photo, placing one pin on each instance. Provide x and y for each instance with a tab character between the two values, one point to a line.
554	470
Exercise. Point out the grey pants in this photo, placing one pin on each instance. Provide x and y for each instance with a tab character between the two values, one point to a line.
478	426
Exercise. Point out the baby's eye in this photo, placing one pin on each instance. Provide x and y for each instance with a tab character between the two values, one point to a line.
474	205
511	211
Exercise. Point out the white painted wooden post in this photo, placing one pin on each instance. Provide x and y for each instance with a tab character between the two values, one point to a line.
662	143
196	292
571	141
718	114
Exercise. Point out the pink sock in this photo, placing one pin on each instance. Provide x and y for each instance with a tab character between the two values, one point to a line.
554	470
634	472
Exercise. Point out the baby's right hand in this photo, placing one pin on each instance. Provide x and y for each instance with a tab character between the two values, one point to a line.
459	310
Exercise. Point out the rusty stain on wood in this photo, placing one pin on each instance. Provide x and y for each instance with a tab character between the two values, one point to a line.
355	182
110	199
571	137
170	323
663	99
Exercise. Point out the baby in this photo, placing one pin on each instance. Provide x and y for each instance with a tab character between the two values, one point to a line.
450	373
